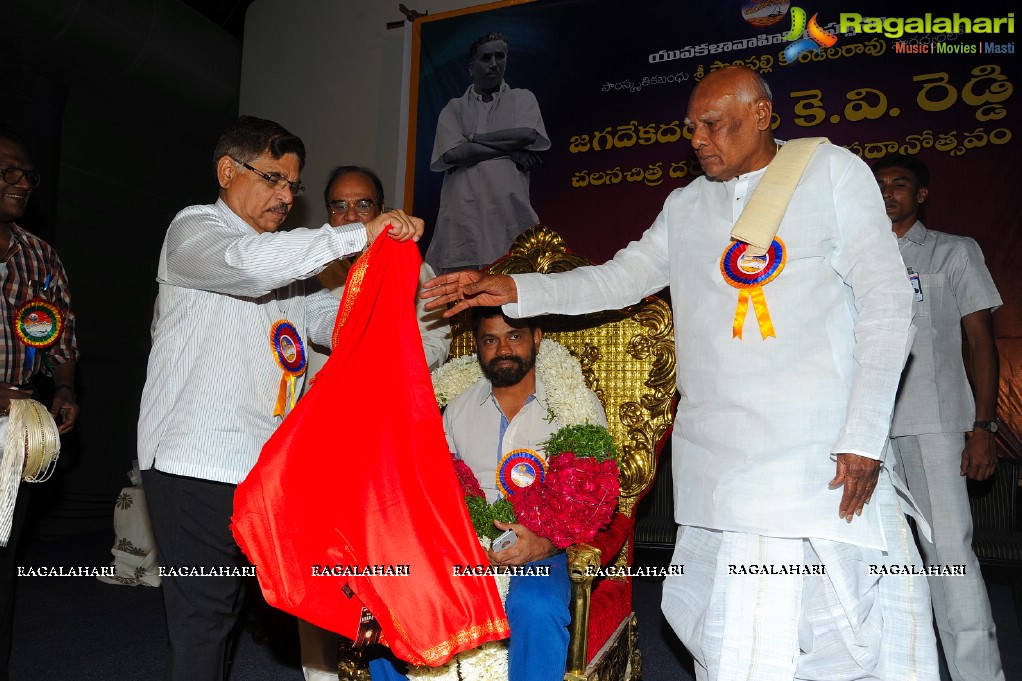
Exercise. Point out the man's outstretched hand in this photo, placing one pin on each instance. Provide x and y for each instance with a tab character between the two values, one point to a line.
468	288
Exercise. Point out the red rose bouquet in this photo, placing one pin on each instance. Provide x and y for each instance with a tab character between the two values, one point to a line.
579	494
467	479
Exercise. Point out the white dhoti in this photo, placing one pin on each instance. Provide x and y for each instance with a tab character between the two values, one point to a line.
758	608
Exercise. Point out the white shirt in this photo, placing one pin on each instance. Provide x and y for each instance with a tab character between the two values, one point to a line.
759	419
472	423
935	396
213	379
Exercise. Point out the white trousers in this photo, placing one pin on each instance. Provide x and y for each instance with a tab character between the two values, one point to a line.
851	623
961	608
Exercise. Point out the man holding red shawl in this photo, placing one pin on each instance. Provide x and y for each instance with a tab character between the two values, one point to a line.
228	359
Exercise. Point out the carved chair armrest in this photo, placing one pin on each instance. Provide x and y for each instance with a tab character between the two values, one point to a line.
583	564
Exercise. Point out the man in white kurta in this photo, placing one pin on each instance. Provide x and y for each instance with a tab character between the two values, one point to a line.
486	144
787	567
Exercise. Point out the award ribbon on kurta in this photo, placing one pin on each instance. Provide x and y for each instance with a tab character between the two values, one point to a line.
289	351
749	274
519	469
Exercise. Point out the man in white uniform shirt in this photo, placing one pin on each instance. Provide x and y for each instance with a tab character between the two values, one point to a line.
935	408
781	434
227	362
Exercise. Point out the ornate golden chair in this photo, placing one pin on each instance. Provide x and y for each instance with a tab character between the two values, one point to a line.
627	357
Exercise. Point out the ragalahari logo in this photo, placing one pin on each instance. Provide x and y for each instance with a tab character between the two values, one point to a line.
819	37
763	13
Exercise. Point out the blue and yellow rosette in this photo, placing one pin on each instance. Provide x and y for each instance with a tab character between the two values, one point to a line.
37	324
749	274
519	469
289	351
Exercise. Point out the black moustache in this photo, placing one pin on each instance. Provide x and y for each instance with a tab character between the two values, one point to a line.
509	358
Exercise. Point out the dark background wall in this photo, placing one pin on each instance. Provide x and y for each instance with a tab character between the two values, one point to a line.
120	104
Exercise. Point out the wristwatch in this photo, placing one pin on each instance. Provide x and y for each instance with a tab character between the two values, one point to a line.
991	426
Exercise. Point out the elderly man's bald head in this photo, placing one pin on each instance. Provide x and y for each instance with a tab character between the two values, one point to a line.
741	81
729	114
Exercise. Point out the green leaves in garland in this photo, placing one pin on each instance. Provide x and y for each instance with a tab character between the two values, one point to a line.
584	441
483	515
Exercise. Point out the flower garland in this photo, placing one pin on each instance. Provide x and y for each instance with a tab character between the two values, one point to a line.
559	371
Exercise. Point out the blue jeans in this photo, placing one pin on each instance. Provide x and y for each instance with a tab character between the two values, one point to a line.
537	611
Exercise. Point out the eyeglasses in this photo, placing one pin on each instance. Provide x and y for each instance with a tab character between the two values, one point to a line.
362	206
13	176
275	180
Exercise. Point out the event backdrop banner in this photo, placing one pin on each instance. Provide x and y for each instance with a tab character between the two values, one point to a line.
613	78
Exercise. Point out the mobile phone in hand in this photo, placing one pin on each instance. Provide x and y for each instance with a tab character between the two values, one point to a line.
504	541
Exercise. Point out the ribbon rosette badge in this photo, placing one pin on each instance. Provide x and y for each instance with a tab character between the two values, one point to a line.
749	274
37	323
519	469
289	351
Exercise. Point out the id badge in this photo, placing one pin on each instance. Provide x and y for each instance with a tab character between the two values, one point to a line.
917	286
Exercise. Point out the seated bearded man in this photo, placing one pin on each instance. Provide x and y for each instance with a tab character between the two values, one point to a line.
505	411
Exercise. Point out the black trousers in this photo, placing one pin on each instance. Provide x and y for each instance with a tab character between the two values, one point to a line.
191	520
8	570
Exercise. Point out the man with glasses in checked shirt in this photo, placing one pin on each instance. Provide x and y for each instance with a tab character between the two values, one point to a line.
30	269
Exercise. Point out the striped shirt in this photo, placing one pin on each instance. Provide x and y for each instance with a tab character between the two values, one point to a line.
213	378
23	272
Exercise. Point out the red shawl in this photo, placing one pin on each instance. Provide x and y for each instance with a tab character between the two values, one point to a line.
359	475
